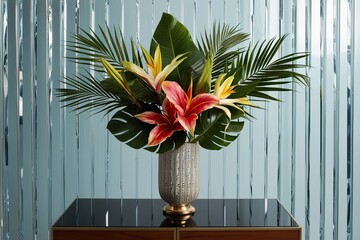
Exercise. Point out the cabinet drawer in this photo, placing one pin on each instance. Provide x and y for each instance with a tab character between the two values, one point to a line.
113	234
240	234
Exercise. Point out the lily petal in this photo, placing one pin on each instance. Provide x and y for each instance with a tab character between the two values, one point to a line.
176	95
138	71
188	122
161	132
188	108
202	102
174	63
245	101
151	117
157	61
154	65
169	110
225	89
161	76
226	110
217	83
148	57
166	123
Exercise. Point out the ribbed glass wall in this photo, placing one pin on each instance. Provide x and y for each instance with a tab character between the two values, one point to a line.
303	151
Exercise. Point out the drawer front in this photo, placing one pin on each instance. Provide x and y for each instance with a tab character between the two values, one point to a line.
113	234
240	234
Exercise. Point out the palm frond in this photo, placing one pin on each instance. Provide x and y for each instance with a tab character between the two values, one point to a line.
91	47
86	93
220	42
258	69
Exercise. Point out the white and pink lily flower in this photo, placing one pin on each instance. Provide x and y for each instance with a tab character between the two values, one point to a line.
166	123
187	107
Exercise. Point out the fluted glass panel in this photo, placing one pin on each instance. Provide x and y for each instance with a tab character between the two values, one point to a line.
355	208
303	150
3	125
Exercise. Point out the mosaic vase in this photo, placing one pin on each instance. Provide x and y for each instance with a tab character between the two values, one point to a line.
179	179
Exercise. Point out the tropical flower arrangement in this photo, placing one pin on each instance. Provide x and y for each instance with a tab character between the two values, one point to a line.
180	91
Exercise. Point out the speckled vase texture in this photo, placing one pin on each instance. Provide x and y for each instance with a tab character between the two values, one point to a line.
179	174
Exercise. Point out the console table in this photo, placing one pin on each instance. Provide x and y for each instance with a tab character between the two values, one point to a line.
130	219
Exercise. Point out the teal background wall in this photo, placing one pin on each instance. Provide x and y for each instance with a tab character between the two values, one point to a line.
303	151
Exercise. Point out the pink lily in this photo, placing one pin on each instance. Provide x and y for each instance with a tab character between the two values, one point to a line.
166	123
156	74
186	106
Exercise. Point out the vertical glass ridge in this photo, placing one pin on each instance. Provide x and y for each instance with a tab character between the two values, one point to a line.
3	182
92	72
355	208
77	121
307	123
251	147
350	123
278	170
322	119
266	116
50	109
107	144
13	121
293	114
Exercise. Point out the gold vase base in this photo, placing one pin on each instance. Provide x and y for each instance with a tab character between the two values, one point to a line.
178	214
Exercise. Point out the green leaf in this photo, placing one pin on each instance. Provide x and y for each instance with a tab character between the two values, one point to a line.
223	42
214	131
244	90
259	70
128	129
135	133
92	47
85	93
174	39
204	83
176	140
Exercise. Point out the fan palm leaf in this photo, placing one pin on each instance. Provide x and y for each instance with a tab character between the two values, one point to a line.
258	68
86	93
91	47
223	45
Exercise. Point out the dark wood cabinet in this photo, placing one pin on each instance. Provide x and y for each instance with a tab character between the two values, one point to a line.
225	219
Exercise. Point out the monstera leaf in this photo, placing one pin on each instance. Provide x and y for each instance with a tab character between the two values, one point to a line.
215	131
130	130
173	142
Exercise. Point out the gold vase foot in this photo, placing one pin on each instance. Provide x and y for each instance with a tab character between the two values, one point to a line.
178	214
182	209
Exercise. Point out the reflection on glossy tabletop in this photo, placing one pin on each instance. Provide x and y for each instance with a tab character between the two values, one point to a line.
148	213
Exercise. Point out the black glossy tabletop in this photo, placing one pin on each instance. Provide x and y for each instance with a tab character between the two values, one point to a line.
148	213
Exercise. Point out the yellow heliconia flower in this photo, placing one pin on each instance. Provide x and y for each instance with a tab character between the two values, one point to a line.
154	64
223	90
156	74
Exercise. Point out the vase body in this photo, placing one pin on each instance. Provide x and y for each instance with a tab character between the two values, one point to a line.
179	178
